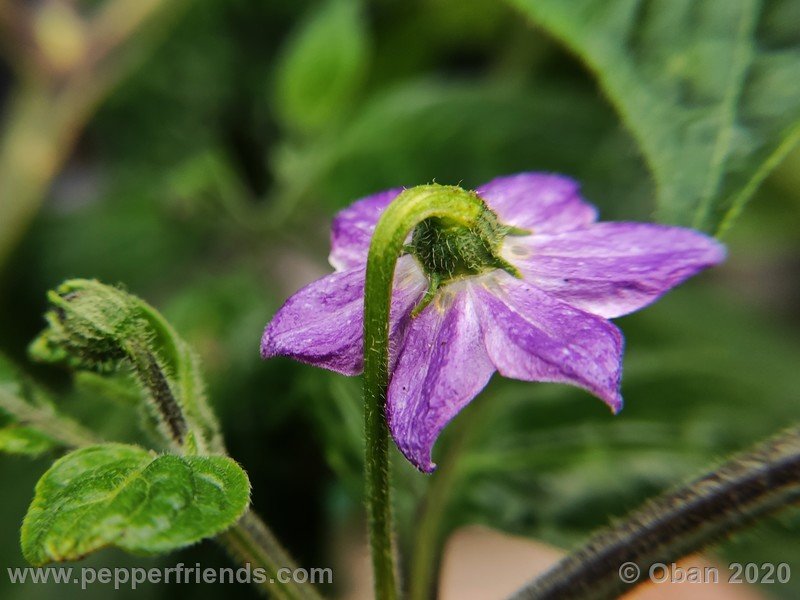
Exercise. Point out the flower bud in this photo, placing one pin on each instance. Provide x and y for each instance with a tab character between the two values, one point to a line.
88	325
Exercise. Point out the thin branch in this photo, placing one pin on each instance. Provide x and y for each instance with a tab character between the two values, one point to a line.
750	486
251	542
44	418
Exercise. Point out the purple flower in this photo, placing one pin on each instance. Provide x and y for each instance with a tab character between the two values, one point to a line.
547	323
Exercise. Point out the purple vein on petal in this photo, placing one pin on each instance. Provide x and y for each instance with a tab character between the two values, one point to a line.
613	268
441	368
532	336
322	324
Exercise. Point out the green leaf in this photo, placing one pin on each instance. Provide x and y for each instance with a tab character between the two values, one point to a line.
25	440
125	496
708	88
322	67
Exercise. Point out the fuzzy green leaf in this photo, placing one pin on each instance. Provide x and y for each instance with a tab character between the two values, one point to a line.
323	67
708	88
125	496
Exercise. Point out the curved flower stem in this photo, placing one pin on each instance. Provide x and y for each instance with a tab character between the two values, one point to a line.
749	486
398	220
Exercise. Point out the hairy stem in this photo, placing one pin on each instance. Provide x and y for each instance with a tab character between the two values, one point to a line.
251	542
185	371
398	220
44	418
152	376
95	326
744	489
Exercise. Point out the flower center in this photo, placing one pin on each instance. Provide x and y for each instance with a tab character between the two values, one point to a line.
448	250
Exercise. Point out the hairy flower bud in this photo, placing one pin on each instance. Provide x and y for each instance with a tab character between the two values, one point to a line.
96	326
88	325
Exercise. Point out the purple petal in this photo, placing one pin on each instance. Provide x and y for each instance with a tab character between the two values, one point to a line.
352	229
532	336
538	202
611	269
322	324
442	366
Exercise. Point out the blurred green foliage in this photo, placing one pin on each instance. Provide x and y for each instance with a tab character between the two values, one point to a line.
322	67
205	183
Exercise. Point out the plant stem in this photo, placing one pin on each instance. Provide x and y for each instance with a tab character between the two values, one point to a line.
398	220
45	419
749	486
168	411
186	374
251	542
97	324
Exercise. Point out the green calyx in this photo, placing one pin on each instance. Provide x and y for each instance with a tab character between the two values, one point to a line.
448	250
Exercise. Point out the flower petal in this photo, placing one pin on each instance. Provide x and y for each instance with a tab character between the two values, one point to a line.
352	229
322	324
441	368
611	269
539	202
532	336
